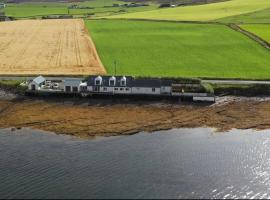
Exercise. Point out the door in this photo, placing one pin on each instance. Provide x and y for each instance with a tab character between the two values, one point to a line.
75	89
96	88
33	87
68	89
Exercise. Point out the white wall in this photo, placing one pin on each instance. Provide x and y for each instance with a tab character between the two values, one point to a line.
108	90
140	90
33	83
124	91
166	89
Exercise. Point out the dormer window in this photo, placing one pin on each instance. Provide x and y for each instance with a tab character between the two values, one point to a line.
98	80
123	81
112	81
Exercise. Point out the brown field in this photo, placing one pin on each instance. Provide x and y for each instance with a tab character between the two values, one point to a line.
47	47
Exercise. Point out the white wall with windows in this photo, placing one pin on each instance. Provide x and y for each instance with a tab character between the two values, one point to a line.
145	90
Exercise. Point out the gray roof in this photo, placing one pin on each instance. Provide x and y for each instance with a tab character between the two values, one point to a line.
72	82
39	80
146	82
105	80
131	81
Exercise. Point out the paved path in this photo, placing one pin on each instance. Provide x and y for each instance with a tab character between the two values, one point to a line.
240	82
236	82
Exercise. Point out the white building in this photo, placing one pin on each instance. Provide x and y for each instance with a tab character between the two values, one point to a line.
72	85
127	85
2	5
37	83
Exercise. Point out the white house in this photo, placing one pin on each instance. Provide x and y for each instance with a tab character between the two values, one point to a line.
72	85
109	84
2	5
127	85
37	83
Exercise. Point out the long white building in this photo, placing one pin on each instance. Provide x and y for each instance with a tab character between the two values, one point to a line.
121	85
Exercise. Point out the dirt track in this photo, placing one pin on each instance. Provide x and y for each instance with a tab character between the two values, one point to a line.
83	120
48	47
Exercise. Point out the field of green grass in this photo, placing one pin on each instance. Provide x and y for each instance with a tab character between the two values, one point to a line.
261	30
261	16
206	12
178	49
35	9
100	8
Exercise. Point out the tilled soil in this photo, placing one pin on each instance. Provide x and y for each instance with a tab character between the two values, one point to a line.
88	120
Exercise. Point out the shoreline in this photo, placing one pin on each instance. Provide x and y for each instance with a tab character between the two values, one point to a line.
88	118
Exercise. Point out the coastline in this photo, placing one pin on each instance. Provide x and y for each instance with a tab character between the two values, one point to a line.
98	117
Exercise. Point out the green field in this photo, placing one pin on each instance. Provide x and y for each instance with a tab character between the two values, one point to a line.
176	49
262	30
261	16
167	48
206	12
99	8
35	9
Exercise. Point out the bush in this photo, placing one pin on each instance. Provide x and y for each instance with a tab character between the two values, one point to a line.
164	5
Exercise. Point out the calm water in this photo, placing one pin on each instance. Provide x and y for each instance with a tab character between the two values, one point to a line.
185	163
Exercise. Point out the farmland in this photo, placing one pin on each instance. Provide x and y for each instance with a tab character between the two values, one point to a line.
48	47
35	9
178	49
147	48
94	8
261	16
261	30
206	12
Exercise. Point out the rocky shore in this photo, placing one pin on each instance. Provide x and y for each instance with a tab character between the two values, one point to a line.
92	117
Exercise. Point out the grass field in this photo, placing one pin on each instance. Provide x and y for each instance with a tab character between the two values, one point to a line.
261	30
99	9
35	9
202	12
261	16
48	47
175	49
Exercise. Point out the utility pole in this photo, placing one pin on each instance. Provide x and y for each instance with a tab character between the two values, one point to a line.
115	67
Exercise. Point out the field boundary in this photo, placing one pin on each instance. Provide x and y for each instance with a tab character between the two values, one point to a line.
251	35
159	20
94	49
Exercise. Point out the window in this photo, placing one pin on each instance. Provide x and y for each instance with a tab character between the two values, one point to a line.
75	89
104	89
115	88
68	89
127	89
121	89
97	82
83	88
123	81
112	83
153	89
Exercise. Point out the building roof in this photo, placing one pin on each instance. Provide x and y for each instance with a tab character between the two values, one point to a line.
130	81
106	79
72	81
146	82
39	80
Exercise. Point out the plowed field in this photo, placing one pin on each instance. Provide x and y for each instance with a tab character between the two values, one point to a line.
47	47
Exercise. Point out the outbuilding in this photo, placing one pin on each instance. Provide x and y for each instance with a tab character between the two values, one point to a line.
2	5
72	85
37	83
